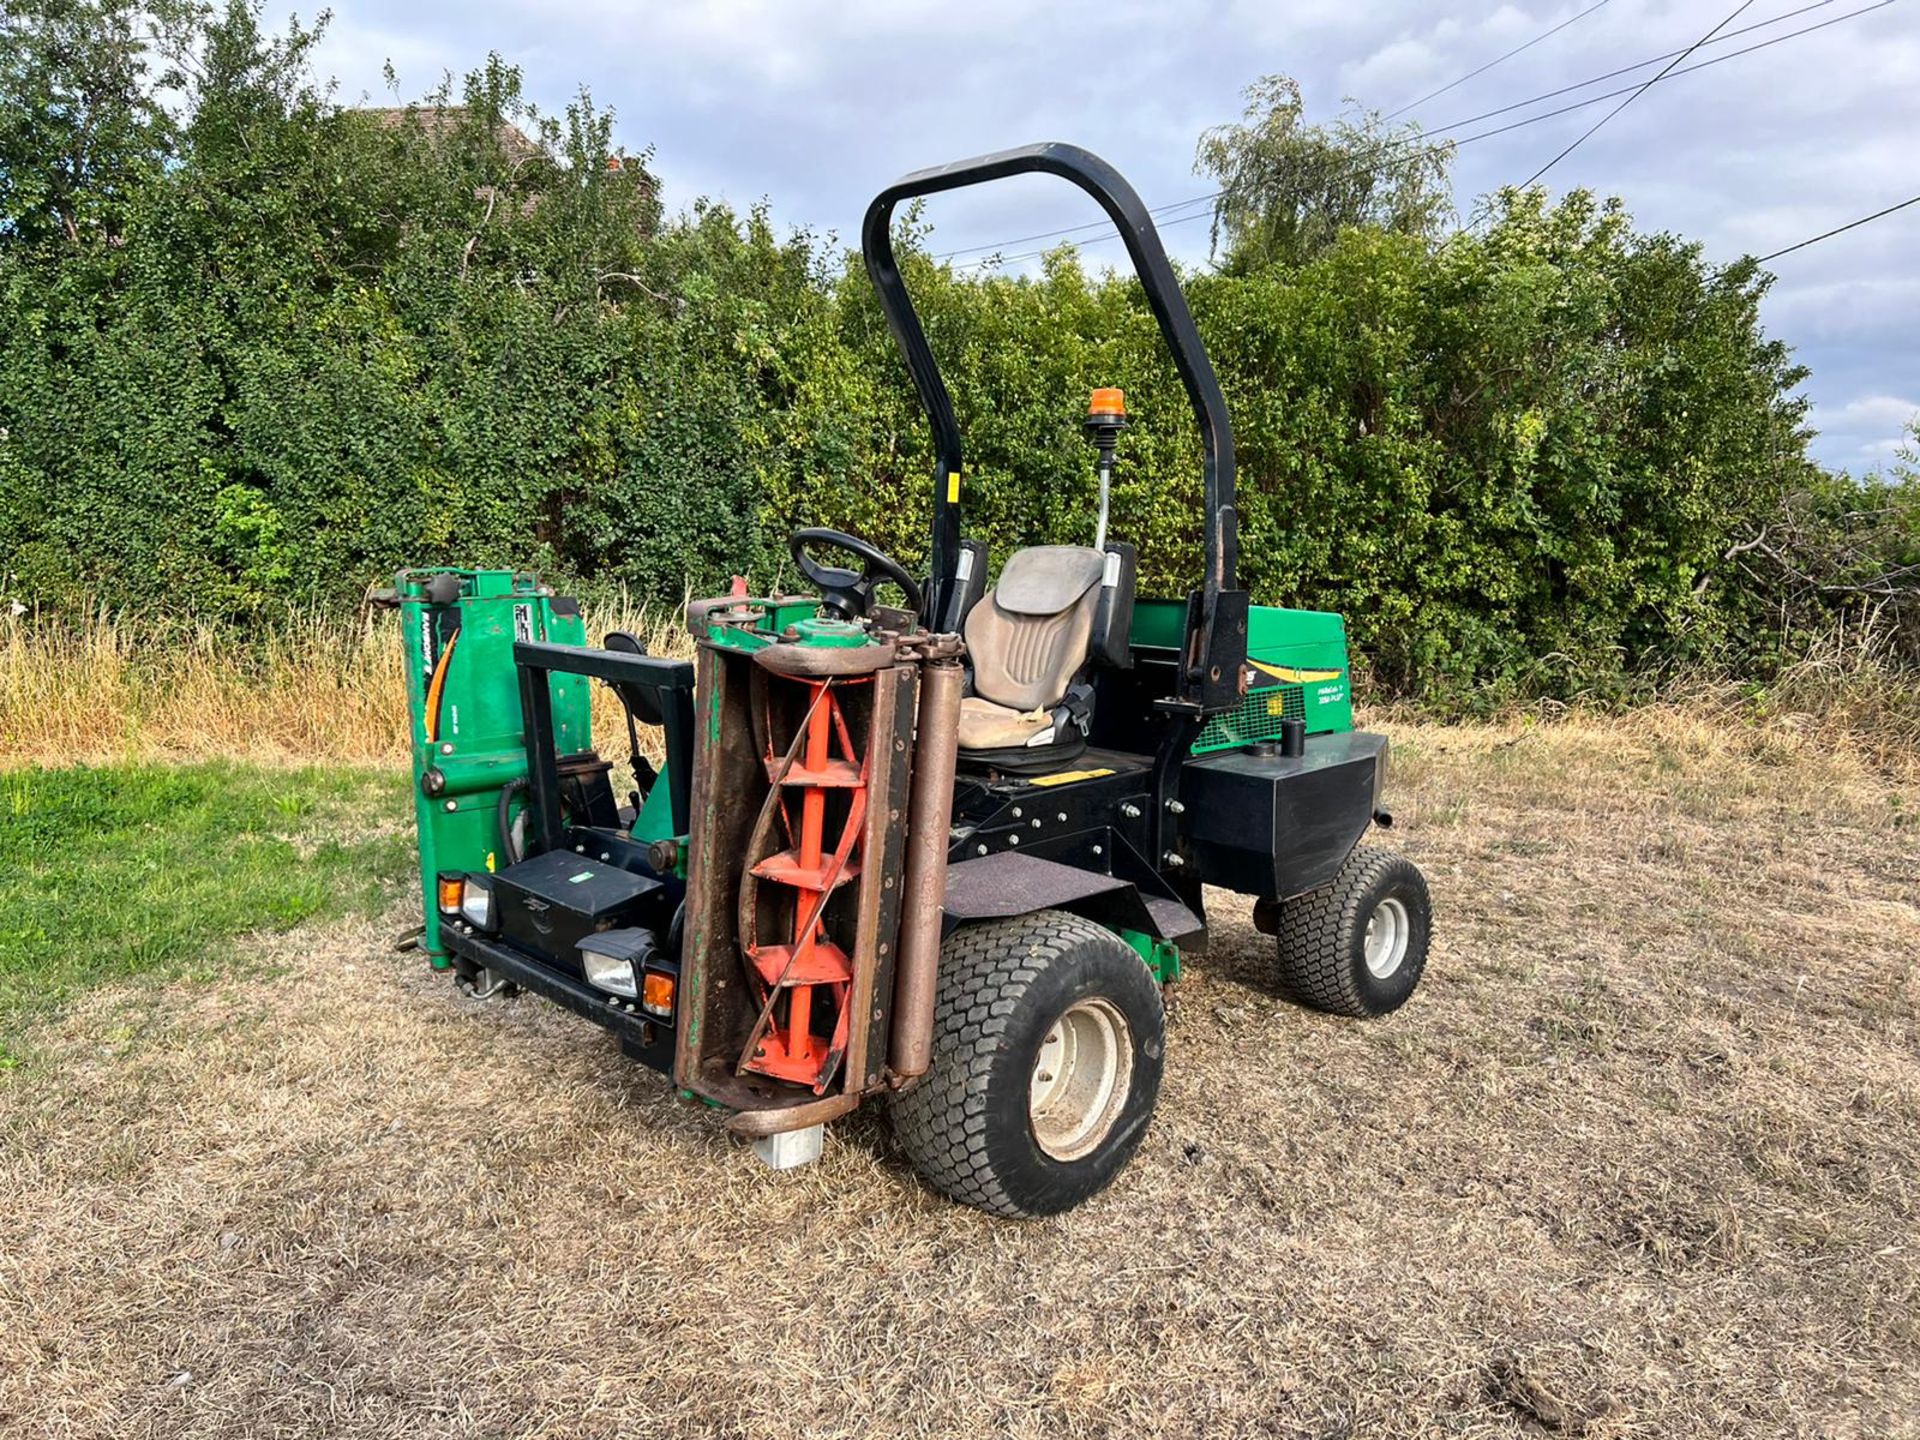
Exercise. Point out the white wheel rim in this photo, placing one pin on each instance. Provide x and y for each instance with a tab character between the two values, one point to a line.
1388	930
1081	1078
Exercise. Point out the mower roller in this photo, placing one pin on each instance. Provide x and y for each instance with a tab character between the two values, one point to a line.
944	852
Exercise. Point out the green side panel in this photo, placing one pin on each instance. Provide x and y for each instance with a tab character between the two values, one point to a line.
655	820
1299	659
1162	957
1158	624
1271	628
470	730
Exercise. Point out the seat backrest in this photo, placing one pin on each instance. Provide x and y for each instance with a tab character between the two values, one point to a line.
1032	633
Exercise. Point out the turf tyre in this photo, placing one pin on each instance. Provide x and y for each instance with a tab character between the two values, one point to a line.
967	1126
1322	937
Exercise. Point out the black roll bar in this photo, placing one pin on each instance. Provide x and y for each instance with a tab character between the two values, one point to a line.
1211	673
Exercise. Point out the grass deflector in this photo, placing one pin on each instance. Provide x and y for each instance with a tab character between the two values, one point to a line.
945	851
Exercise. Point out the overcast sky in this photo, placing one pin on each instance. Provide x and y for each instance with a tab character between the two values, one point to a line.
814	105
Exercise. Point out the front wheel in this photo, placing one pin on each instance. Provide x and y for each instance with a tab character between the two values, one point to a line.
1358	946
1048	1041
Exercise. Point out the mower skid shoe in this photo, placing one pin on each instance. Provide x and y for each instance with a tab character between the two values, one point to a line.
790	1149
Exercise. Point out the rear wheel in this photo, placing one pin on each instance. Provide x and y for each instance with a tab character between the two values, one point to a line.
1048	1041
1359	946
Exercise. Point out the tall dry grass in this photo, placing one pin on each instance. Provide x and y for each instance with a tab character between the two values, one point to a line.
312	687
303	687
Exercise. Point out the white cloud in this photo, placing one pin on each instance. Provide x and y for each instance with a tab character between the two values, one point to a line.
1872	427
1874	409
1402	67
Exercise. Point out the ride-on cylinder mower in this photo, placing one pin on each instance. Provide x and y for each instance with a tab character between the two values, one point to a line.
944	852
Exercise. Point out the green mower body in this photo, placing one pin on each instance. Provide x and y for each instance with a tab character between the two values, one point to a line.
467	736
944	854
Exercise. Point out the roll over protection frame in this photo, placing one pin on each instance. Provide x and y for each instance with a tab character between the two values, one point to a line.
1210	672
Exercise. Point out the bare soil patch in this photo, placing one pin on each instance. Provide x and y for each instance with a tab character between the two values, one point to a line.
1642	1158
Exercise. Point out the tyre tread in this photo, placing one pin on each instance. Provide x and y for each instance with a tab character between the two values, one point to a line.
1315	969
984	970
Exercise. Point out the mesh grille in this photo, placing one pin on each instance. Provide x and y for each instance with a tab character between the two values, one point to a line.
1257	717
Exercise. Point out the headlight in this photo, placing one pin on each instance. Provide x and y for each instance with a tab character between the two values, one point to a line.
476	903
612	973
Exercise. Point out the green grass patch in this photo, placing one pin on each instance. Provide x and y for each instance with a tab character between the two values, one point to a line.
108	872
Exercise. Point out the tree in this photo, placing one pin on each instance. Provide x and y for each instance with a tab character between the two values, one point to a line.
257	348
1843	553
80	122
1287	188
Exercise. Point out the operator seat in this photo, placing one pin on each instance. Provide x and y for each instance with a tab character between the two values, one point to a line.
1030	641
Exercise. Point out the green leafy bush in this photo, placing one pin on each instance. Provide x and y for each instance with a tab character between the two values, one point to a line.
258	349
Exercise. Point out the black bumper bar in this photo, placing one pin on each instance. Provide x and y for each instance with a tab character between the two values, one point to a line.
582	999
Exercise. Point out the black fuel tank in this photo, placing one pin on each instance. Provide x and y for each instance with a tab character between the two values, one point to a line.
1277	825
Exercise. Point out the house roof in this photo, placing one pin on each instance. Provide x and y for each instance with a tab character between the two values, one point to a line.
437	120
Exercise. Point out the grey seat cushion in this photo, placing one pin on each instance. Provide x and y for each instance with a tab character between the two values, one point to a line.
1047	579
1029	636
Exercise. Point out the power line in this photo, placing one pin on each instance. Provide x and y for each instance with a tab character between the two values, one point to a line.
1638	93
1071	229
1840	229
1392	146
1656	59
1471	74
1669	75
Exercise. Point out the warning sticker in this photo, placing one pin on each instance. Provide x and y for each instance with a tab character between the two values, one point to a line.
1067	777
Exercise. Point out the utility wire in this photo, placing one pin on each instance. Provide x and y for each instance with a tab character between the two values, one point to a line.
1656	59
1588	134
1629	89
1393	146
1840	229
1076	229
1471	74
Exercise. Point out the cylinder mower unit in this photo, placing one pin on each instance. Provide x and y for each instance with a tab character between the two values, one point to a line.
945	851
811	828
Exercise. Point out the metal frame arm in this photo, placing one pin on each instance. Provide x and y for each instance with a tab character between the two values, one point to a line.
670	680
1129	214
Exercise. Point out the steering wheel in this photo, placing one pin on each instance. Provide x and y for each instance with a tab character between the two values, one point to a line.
848	593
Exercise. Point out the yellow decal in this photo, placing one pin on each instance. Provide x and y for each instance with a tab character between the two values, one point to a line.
1293	675
953	487
489	862
1067	777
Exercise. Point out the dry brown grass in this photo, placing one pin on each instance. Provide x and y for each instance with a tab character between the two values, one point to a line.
302	689
307	689
1641	1159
